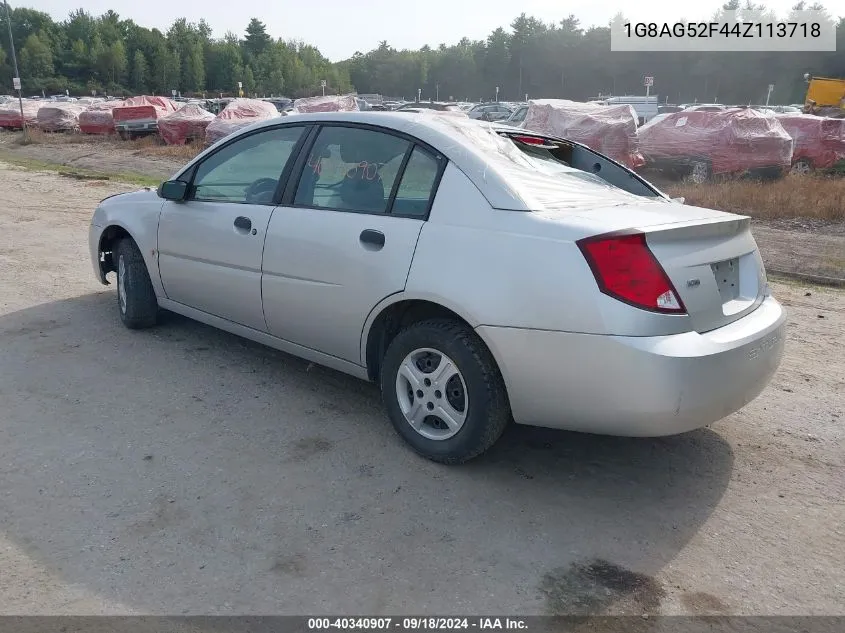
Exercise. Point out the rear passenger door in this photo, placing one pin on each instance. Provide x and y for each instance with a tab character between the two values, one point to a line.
344	237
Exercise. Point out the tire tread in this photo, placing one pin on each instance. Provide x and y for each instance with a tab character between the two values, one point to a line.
141	301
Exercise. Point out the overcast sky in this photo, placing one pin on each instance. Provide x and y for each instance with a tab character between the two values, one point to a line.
341	27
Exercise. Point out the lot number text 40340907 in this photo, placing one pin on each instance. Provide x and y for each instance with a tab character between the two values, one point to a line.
417	623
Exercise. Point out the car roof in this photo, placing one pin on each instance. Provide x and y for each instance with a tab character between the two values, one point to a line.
470	145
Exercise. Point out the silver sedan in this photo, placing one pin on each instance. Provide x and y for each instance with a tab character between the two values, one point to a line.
479	274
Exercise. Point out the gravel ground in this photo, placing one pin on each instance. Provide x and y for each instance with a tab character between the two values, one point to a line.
184	470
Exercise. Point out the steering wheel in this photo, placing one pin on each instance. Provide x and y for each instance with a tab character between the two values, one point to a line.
261	191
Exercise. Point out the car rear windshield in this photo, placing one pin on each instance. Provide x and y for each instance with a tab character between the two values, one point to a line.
551	174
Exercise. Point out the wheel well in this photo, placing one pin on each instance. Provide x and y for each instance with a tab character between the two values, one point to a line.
110	237
392	320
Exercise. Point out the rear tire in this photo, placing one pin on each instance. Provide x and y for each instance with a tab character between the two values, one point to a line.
470	393
136	298
801	167
699	172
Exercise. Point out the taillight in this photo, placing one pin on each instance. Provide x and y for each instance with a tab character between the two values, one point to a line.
533	140
627	270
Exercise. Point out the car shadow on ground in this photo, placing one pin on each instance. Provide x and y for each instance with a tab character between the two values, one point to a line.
185	470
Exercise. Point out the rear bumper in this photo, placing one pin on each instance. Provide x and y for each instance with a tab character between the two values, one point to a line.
638	386
136	126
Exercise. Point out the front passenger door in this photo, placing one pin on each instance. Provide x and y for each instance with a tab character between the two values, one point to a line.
210	246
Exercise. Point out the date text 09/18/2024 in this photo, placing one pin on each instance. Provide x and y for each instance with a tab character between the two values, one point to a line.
416	623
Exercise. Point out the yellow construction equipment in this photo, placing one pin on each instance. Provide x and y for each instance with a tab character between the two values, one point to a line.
825	96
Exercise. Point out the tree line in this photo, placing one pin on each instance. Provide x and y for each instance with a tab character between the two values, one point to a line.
106	54
85	53
565	60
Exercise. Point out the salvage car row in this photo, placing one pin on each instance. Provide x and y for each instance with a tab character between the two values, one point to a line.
177	123
695	143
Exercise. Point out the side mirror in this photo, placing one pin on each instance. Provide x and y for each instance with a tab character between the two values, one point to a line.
175	190
679	200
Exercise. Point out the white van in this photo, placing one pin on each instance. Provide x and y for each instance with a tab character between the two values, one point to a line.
645	107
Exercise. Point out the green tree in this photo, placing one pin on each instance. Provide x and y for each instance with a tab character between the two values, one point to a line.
257	40
116	59
36	57
139	72
194	68
249	81
224	66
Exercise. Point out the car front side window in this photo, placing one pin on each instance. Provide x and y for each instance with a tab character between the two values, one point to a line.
246	171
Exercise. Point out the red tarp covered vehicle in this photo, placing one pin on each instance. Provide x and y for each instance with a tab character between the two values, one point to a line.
140	115
187	123
699	144
332	103
608	129
59	117
819	142
238	114
98	119
10	114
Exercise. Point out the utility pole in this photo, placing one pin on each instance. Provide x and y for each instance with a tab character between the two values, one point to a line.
17	78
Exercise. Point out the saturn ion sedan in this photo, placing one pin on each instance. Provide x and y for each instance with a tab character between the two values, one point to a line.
479	274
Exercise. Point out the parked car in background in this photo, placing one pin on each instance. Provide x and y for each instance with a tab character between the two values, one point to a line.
139	116
238	114
428	105
382	245
517	117
283	104
668	109
819	142
704	107
646	108
608	129
489	112
329	103
98	118
188	124
59	116
10	113
700	144
779	109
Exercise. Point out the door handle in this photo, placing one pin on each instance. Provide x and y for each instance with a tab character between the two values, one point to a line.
243	223
369	237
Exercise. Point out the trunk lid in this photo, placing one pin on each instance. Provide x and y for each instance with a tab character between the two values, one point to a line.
715	267
710	256
135	113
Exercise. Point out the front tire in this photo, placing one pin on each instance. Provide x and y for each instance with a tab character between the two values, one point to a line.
443	392
136	298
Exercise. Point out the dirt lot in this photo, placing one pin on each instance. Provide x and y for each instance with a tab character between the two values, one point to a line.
183	470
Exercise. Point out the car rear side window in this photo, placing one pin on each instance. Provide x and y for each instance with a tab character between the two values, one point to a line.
417	186
351	169
247	170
